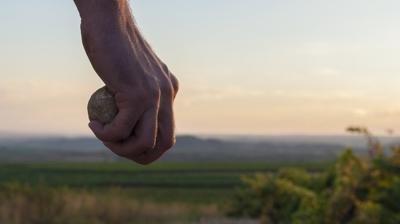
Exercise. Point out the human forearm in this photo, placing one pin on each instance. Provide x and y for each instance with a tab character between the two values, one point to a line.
110	36
143	87
96	8
109	15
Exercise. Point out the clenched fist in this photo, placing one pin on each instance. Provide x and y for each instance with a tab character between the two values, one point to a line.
143	87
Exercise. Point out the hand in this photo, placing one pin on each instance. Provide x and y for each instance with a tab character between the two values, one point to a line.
144	87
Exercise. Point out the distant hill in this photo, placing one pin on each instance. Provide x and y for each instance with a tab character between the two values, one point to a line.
187	148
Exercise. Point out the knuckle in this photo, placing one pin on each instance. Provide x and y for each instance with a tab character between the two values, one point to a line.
167	143
175	83
165	68
166	88
173	80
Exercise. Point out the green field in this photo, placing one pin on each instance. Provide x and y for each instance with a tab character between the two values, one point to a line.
122	193
198	183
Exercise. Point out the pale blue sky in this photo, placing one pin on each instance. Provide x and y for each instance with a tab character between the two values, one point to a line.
246	67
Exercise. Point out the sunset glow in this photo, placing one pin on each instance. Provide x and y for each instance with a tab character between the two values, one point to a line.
245	67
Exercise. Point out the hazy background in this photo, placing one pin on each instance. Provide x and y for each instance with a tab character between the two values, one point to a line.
268	88
246	67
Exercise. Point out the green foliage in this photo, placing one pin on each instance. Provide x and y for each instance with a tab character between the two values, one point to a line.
352	190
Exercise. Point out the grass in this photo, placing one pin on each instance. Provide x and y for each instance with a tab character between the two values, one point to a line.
198	183
102	193
22	204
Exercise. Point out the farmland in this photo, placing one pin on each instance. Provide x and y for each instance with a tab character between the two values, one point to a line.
162	182
122	192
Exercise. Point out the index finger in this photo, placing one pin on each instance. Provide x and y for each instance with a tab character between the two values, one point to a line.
119	129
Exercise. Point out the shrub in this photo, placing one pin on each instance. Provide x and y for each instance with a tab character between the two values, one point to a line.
353	190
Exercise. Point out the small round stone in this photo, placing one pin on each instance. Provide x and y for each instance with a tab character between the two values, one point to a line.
102	106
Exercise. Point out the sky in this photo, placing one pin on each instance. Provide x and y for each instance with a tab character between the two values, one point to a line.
245	67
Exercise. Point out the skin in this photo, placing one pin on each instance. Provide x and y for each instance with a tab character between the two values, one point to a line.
144	88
